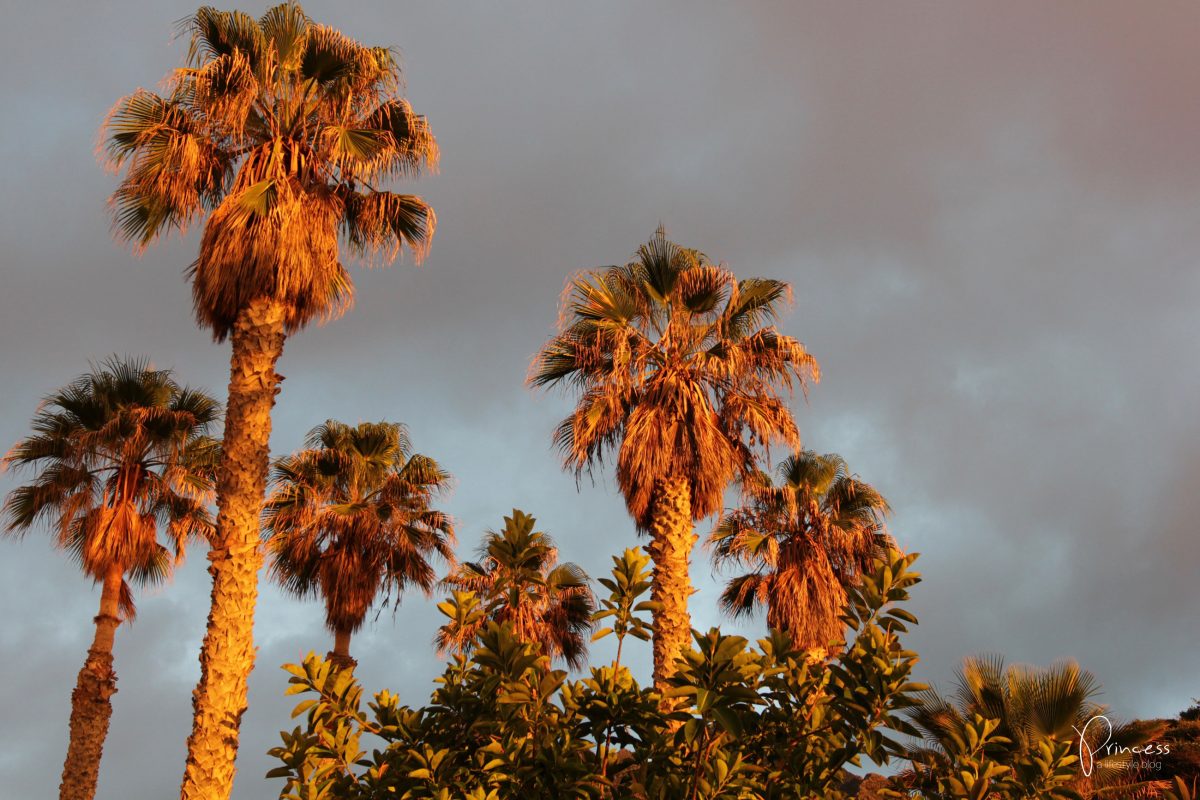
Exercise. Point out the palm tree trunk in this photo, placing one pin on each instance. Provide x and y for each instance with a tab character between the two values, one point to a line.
91	707
227	656
339	656
672	540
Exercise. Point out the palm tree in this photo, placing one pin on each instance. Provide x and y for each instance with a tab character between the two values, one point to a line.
521	582
805	538
350	518
120	455
678	368
1032	708
276	134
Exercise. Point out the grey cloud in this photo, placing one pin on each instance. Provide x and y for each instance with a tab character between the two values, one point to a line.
987	212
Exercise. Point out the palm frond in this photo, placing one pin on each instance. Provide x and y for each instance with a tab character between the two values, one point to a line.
214	33
285	29
745	594
384	222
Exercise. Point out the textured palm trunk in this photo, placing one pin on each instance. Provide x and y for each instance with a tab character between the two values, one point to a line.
672	540
91	704
339	656
227	655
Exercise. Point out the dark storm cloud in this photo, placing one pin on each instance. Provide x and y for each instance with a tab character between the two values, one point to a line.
987	210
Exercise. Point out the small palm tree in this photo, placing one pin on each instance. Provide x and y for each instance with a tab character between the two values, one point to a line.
520	582
806	537
122	458
350	518
679	369
1033	709
278	134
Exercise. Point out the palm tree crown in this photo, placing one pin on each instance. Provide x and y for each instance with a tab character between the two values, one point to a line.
279	129
521	582
677	369
806	537
350	517
120	454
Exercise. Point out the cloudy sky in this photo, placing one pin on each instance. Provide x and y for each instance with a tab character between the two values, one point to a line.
988	212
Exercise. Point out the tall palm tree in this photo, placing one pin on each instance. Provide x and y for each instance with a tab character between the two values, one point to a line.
276	134
805	538
120	456
1033	707
521	582
350	518
678	368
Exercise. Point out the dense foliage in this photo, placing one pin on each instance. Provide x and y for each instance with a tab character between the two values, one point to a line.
762	721
1182	736
1012	733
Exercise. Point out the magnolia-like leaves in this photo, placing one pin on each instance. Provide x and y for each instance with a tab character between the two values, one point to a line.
630	580
752	721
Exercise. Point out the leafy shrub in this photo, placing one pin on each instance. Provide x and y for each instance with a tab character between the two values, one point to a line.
741	721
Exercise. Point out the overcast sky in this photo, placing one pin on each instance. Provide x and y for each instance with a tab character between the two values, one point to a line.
989	213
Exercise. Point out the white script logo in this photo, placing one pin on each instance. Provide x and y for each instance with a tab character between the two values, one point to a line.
1090	755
